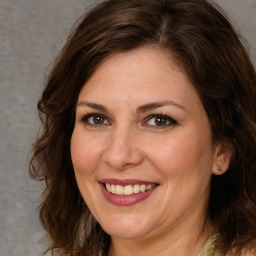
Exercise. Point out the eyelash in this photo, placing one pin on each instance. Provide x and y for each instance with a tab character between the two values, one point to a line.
165	118
85	119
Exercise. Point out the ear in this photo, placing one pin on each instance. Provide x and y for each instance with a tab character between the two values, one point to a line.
223	154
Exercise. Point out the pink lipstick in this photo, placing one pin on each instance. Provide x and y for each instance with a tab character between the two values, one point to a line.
126	192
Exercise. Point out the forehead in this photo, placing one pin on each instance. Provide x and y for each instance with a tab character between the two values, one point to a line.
138	76
138	62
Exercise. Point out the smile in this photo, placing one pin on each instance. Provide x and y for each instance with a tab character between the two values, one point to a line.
126	192
128	189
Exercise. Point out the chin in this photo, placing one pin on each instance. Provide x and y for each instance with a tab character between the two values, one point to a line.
128	229
126	234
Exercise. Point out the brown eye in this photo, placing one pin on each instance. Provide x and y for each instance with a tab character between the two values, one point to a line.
98	120
95	119
160	121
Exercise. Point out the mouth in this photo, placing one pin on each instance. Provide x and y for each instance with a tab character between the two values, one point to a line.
128	189
126	192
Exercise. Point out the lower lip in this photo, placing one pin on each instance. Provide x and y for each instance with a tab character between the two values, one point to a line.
123	200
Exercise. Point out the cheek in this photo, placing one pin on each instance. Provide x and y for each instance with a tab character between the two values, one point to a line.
84	154
173	159
182	155
84	161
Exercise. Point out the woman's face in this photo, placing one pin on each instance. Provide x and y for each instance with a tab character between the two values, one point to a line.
142	146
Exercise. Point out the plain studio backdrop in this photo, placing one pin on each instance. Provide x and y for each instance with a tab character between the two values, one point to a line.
31	34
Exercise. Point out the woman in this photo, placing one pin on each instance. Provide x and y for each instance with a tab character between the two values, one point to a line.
149	134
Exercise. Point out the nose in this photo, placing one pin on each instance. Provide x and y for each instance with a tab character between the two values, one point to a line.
123	150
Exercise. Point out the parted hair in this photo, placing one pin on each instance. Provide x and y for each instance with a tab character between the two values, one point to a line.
213	56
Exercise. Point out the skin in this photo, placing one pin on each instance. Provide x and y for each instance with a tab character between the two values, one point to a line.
180	157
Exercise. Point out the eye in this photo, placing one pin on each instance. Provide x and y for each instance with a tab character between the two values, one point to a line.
95	119
160	121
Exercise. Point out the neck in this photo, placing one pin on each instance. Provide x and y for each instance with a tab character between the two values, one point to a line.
181	242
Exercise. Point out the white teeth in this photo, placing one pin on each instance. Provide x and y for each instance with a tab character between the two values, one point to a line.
148	187
108	187
113	189
119	189
128	189
136	189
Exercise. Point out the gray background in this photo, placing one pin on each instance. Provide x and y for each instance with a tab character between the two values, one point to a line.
31	34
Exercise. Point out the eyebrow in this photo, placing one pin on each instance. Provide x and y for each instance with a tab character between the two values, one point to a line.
155	105
141	109
92	105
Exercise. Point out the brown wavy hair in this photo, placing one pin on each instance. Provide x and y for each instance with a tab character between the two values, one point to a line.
202	39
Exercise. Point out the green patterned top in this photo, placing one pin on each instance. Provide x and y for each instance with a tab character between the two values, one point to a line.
207	250
209	247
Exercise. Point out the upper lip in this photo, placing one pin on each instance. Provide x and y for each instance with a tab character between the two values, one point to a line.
125	182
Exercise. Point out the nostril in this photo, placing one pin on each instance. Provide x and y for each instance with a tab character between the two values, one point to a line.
122	158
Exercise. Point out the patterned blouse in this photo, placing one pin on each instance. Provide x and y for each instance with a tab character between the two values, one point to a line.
209	247
207	250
